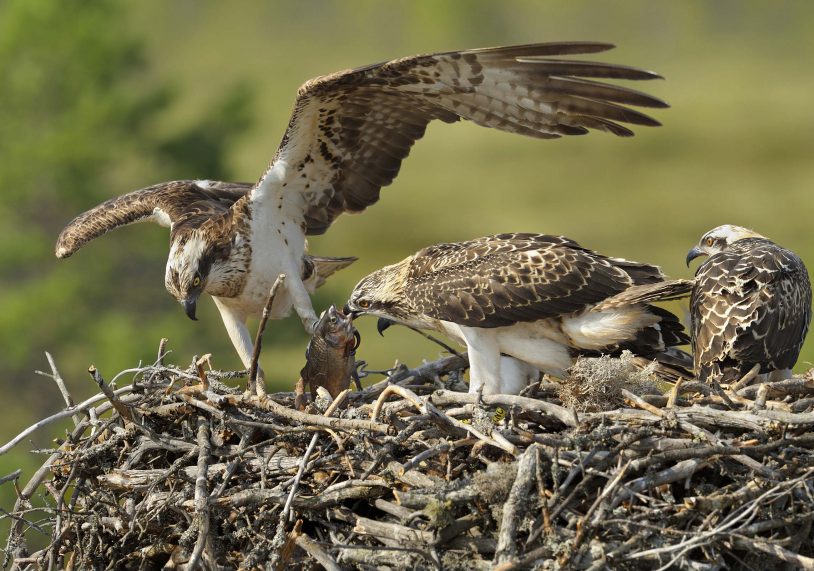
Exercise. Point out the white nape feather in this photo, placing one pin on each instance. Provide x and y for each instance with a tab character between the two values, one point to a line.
732	233
204	184
192	251
184	259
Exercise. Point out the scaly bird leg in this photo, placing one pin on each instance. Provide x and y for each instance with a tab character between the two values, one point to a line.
301	300
242	340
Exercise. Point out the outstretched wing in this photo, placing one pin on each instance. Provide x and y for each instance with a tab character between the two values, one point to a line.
751	304
500	280
167	203
350	130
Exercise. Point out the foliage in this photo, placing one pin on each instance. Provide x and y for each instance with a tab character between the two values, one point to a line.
78	105
79	118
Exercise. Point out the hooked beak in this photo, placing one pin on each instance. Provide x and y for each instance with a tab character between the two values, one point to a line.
190	305
348	312
382	324
694	253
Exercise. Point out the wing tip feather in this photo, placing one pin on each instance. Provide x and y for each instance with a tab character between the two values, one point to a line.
64	248
543	48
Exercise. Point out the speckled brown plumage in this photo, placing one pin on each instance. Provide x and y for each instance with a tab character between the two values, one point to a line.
350	130
751	304
500	280
185	203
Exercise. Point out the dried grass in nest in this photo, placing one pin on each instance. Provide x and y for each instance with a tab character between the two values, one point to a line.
405	474
593	384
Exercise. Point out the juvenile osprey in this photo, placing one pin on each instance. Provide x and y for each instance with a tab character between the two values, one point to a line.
346	138
751	304
539	299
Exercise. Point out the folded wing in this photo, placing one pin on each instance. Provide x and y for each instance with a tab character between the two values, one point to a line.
751	305
508	278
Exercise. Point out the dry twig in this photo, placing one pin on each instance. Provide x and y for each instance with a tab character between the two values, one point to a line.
253	386
419	478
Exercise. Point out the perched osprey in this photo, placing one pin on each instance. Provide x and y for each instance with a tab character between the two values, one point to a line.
346	138
539	299
750	305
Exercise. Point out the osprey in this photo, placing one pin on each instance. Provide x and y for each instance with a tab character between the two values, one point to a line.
750	305
346	138
539	299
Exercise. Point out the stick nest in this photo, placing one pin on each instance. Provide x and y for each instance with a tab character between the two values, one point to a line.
171	472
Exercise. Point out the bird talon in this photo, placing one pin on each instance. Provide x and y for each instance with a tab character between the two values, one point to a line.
310	325
260	391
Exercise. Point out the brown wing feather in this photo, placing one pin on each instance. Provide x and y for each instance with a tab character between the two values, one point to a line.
350	131
178	201
503	279
750	305
667	290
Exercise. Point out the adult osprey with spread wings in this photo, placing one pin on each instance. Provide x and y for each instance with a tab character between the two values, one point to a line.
346	139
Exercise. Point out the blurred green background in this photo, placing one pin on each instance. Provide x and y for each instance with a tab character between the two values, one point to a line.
100	98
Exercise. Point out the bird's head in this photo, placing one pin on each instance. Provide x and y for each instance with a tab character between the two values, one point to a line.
381	293
198	264
719	239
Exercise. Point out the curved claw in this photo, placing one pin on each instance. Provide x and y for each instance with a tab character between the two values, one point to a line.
359	369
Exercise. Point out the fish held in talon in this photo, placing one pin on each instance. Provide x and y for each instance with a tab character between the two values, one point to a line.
330	356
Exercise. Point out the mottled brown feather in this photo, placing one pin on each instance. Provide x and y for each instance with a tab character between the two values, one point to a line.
183	202
499	280
350	130
751	304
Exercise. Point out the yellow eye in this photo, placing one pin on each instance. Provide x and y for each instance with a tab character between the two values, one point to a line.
196	282
363	303
709	241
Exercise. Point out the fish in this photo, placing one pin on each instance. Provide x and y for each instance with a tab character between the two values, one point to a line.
330	357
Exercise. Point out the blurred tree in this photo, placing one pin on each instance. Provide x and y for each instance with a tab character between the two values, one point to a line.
81	121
